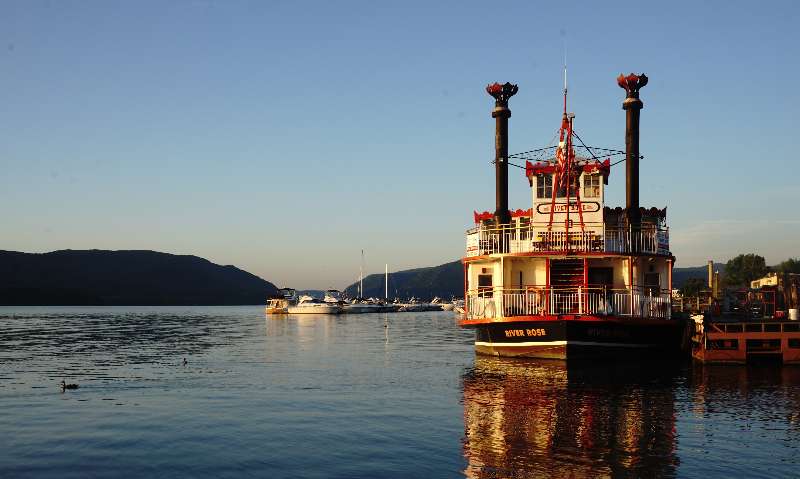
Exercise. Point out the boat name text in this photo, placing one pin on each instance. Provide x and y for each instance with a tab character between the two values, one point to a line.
512	333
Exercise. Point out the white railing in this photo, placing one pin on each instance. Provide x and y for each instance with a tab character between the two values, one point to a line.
483	240
535	301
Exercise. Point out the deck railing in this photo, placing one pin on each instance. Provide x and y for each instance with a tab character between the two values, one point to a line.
483	240
542	301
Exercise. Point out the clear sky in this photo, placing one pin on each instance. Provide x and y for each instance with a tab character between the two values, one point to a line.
285	137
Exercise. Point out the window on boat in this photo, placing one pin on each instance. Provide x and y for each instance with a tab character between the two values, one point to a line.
485	285
524	223
722	344
652	284
562	192
591	186
544	186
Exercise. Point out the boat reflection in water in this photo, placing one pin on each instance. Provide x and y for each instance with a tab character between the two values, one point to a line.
535	418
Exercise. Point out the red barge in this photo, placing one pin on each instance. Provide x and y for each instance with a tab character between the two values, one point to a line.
750	324
570	277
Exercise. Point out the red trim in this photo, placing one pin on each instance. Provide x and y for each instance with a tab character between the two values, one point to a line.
585	295
541	167
466	286
630	272
573	254
669	275
608	319
547	283
487	215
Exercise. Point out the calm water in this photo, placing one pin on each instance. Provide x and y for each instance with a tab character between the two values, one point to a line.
388	395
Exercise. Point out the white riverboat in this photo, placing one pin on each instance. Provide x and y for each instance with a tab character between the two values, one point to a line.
570	277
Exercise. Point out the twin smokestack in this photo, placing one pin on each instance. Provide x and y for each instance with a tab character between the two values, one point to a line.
632	106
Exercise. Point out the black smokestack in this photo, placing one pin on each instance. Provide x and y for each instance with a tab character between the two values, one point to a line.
501	114
632	106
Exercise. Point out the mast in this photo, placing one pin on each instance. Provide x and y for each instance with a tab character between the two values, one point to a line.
361	277
386	283
566	170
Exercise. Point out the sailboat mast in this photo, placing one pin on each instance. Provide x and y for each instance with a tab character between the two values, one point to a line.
361	277
386	283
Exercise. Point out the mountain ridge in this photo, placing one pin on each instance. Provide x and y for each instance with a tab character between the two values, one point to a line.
417	281
124	278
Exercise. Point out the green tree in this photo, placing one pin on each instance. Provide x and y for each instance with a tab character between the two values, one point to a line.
791	265
744	268
693	286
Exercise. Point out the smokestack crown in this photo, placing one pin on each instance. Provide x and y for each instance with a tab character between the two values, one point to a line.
632	84
501	93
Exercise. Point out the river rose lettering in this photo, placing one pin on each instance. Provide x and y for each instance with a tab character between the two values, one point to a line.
516	333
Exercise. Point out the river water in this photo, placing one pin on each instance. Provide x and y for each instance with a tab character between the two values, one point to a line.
375	395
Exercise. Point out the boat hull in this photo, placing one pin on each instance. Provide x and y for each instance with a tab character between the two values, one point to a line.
316	309
361	308
581	339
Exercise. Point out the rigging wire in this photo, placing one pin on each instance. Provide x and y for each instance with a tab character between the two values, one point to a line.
522	167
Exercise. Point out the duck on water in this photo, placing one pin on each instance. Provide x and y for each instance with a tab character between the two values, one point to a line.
64	386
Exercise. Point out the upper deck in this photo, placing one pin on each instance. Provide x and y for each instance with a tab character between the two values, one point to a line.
483	240
611	235
568	215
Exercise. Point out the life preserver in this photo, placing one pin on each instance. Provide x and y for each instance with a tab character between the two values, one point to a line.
489	310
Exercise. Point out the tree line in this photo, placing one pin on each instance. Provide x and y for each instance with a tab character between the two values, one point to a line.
740	271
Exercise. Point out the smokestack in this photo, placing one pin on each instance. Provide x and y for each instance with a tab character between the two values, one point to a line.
501	114
710	273
632	104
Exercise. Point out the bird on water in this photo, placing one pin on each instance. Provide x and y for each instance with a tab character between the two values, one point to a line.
65	386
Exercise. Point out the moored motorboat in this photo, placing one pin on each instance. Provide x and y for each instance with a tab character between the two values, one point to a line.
280	304
361	307
309	305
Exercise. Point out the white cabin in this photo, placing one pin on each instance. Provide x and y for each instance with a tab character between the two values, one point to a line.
570	255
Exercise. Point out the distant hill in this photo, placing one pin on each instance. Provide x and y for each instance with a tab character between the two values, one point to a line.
680	275
447	280
99	277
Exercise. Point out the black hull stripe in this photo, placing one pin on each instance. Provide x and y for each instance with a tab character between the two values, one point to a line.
564	343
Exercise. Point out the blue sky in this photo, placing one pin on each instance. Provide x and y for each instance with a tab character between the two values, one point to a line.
285	137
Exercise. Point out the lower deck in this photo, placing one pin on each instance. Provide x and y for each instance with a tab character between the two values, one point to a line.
512	286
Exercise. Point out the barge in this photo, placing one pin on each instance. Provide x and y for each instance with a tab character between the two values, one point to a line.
570	277
750	324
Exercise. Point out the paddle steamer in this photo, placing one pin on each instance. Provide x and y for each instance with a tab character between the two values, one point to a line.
570	277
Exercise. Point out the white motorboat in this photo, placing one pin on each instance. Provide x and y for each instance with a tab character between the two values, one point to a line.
359	307
280	305
333	296
309	305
